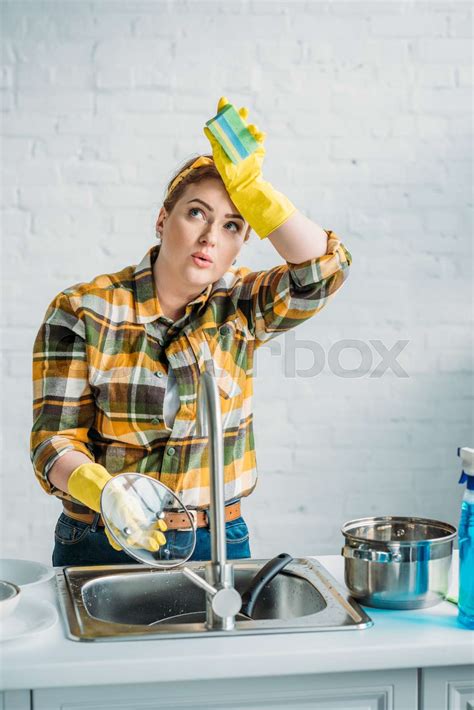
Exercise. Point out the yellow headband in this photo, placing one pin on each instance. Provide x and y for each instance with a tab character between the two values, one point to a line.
197	163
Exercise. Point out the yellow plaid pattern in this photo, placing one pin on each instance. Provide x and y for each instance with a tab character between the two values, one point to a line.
103	353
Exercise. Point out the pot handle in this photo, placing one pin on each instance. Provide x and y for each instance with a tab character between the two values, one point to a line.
356	553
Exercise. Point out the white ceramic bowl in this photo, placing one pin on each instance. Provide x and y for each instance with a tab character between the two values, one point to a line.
9	598
25	573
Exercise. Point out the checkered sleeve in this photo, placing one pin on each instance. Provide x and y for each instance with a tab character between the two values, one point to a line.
277	300
63	404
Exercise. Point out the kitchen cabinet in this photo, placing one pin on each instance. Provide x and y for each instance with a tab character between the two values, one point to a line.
15	700
447	688
441	688
381	690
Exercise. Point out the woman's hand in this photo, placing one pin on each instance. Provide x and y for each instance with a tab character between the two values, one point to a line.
128	521
86	484
259	203
244	172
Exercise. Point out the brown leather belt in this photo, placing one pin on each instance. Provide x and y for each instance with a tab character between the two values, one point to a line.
174	521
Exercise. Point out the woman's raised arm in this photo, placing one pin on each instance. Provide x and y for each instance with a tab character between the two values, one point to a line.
299	239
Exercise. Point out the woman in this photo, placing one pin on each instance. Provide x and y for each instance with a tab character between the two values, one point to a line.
117	360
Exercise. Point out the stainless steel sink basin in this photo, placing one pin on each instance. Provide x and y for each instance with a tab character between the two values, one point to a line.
137	602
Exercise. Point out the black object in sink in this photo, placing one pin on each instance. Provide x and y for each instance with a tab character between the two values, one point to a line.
263	576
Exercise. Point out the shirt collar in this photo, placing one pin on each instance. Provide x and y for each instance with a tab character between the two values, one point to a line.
147	304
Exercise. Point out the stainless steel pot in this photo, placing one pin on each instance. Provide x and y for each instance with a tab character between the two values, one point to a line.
398	563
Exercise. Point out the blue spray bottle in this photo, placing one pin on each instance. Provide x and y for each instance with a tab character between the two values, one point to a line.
466	541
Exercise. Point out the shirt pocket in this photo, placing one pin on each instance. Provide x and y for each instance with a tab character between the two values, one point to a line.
129	402
110	388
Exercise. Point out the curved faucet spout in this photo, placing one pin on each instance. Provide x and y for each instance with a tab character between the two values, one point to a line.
219	573
209	422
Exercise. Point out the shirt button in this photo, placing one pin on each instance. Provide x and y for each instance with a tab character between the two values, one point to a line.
155	420
224	330
158	373
171	451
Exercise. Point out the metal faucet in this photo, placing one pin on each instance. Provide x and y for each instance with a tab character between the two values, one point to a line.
223	601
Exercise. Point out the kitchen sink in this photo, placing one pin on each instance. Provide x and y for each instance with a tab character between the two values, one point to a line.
128	602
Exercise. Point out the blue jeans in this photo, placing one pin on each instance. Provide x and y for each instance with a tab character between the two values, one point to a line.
78	544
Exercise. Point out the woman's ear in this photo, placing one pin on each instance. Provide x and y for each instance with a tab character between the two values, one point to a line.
160	222
247	236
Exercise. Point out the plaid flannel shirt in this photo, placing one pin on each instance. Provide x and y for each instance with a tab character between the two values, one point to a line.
104	349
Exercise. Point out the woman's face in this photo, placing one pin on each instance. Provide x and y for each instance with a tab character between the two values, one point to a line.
202	235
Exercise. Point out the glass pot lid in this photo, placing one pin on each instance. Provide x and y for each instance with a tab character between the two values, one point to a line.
134	508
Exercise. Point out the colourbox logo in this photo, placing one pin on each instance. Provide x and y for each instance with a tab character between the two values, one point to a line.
375	358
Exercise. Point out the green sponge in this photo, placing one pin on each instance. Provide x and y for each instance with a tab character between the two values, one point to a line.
232	134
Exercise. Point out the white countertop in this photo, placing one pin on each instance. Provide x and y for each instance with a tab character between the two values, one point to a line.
408	639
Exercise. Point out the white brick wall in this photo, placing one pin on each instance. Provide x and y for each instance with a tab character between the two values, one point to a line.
367	110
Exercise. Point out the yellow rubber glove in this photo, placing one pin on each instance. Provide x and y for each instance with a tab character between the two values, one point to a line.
264	208
85	484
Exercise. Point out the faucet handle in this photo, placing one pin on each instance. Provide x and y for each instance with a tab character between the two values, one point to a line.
225	601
